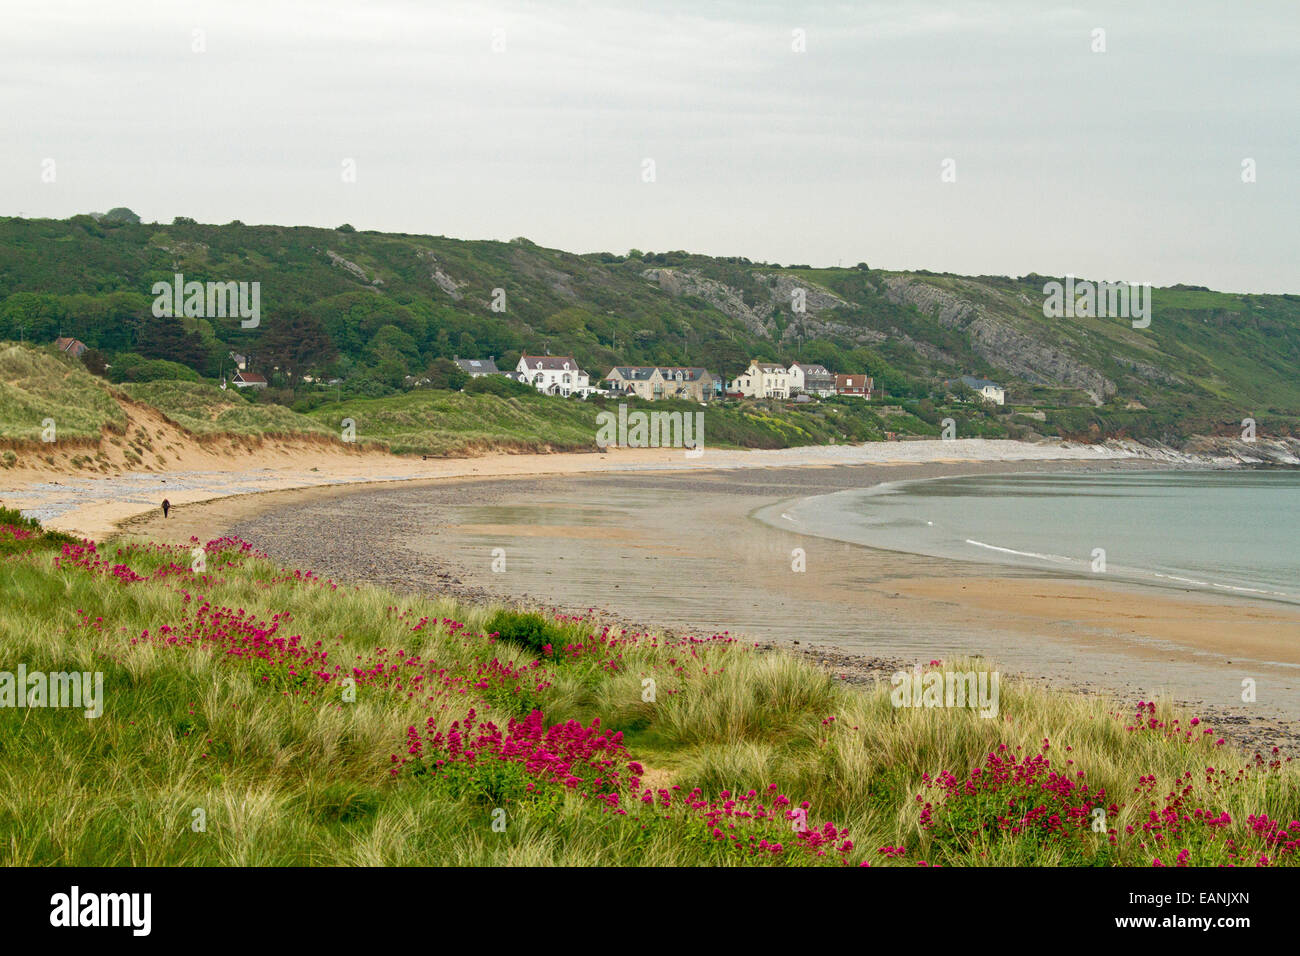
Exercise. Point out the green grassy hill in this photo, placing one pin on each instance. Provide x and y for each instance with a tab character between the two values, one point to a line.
374	308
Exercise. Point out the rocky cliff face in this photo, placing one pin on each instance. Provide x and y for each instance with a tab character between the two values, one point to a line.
682	282
1262	451
997	340
444	282
352	268
761	318
1213	450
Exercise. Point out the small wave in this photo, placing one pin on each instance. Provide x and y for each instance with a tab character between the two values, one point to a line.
1133	573
1181	580
1222	587
1025	554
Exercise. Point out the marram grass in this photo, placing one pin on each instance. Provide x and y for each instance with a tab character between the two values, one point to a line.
257	716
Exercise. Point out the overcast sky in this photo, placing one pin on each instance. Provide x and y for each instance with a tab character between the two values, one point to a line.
1123	164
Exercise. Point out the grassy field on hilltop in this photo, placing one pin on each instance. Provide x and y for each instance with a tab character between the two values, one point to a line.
257	716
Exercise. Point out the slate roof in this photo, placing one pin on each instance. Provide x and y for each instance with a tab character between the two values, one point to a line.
551	363
478	366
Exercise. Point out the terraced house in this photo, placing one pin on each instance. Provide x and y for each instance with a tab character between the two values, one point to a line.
554	375
663	381
763	380
812	379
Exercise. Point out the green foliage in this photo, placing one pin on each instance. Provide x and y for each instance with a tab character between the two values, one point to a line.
41	541
526	629
374	309
120	214
493	783
498	385
444	373
129	367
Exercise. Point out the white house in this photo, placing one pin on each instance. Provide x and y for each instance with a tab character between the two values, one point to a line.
249	380
763	380
812	379
989	391
554	375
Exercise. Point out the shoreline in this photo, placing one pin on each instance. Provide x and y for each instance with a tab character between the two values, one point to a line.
567	535
346	511
1210	591
96	506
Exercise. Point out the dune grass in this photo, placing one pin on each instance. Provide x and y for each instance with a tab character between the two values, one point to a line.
40	389
437	422
258	716
440	422
204	409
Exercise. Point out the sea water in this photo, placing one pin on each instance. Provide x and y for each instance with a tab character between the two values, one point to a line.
1231	532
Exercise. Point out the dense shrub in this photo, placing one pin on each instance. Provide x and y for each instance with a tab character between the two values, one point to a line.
498	385
529	630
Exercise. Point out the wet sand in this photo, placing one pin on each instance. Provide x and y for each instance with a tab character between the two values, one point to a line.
682	551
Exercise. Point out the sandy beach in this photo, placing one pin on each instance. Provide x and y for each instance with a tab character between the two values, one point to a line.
656	539
677	549
69	499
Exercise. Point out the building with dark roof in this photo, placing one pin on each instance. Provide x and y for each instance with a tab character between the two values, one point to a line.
650	382
988	390
476	367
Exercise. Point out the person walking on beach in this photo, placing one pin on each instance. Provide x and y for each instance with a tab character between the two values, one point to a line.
167	506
